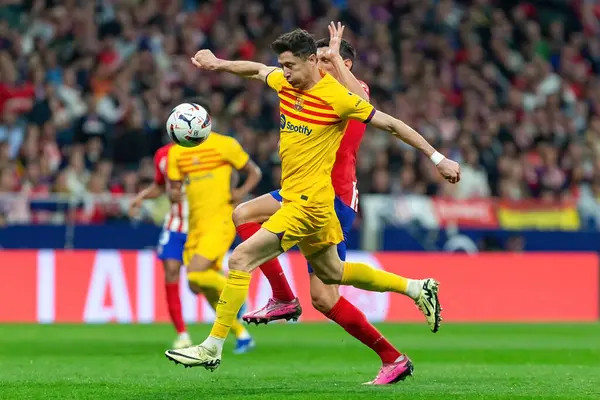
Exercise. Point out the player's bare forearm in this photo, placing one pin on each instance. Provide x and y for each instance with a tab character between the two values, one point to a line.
254	175
151	192
402	131
246	69
175	191
347	78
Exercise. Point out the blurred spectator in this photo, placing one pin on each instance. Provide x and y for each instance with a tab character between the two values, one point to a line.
509	88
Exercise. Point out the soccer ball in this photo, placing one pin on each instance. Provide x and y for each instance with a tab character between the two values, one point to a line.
188	125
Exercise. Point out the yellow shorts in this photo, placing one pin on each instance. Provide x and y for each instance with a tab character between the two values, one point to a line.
210	240
312	228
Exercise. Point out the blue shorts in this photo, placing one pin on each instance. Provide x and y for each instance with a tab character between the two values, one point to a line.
170	245
346	216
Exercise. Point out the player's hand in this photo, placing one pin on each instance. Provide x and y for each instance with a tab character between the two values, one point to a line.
134	208
205	59
237	196
450	170
335	39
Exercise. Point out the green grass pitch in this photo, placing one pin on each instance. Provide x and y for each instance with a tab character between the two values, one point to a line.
302	361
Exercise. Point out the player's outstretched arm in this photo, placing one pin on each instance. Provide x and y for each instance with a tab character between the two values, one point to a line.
205	59
449	169
346	77
151	192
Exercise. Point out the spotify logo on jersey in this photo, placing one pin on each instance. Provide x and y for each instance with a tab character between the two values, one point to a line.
281	121
285	125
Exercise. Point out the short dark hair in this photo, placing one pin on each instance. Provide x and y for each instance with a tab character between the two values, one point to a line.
346	50
299	42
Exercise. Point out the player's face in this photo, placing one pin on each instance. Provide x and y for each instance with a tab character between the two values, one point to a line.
297	71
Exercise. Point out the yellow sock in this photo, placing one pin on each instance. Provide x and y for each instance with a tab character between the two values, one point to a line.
237	328
207	280
231	300
365	277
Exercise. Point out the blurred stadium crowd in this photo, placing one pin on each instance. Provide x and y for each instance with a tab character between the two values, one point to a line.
509	89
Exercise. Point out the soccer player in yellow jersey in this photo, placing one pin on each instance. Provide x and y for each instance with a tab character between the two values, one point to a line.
206	171
308	147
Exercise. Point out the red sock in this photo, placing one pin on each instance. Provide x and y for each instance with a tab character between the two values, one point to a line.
174	305
272	269
346	315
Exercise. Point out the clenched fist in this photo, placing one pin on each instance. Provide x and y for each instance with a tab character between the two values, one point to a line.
205	59
450	170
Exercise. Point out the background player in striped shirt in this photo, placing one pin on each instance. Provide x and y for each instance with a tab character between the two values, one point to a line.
206	171
308	148
171	241
174	236
336	57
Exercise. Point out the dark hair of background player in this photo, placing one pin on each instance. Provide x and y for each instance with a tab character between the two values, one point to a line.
346	50
299	42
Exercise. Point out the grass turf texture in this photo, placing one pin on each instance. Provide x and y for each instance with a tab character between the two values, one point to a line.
302	361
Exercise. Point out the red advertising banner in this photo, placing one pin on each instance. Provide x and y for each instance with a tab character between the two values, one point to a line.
127	286
472	213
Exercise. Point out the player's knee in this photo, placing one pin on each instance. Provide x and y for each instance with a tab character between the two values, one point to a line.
172	271
242	214
199	264
239	259
322	300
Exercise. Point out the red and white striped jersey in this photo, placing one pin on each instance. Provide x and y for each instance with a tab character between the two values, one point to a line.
343	175
177	219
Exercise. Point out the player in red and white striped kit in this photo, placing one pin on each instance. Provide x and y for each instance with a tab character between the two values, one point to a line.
326	298
170	243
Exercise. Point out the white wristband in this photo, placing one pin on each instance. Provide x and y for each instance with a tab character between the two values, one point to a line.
437	158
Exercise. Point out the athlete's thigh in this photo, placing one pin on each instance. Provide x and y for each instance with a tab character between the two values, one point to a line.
258	209
258	249
327	265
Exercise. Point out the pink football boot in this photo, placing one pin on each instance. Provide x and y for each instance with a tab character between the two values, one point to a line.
393	372
274	310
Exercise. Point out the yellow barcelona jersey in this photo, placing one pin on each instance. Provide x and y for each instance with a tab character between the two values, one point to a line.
312	123
206	173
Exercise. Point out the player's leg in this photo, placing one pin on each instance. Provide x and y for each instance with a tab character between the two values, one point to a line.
169	251
331	270
291	226
205	272
248	218
326	299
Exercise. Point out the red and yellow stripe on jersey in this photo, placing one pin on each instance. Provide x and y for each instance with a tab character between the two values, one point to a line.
206	172
312	123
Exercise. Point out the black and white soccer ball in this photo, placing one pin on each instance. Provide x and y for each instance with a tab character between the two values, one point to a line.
188	125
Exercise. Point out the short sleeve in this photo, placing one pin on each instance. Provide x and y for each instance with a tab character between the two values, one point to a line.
236	155
351	106
173	171
159	177
275	79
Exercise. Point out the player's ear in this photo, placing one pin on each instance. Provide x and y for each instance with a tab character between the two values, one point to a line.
312	59
348	63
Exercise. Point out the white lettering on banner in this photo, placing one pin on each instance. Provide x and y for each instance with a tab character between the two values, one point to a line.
375	305
453	211
107	273
413	208
46	284
145	286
